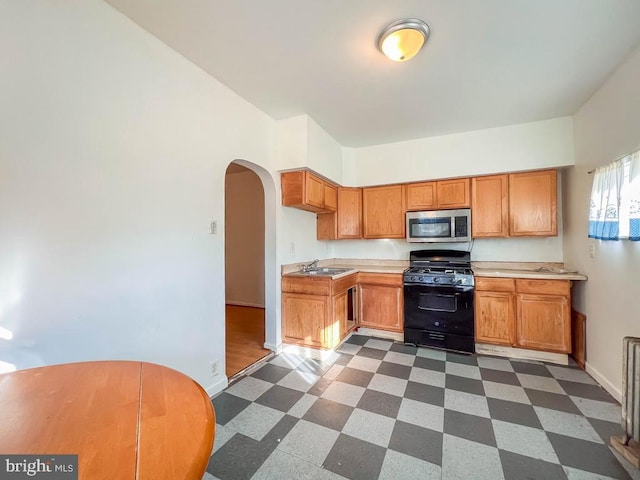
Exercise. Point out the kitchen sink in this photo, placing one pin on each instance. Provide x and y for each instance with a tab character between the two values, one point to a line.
324	271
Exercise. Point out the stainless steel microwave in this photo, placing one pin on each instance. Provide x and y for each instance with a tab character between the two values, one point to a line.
439	226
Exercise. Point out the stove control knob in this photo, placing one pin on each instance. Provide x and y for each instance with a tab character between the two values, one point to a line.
459	281
436	280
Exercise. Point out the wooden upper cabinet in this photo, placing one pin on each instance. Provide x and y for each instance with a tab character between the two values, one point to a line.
453	193
446	194
533	203
490	206
421	196
347	221
383	212
306	191
330	197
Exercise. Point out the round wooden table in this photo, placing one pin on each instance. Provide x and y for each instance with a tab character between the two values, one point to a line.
124	420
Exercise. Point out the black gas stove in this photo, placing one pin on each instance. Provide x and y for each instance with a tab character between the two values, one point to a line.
438	300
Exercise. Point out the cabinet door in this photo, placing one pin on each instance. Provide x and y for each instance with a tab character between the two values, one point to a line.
543	322
421	196
490	206
304	319
330	197
381	307
453	193
349	213
338	327
495	317
383	212
347	221
313	191
533	204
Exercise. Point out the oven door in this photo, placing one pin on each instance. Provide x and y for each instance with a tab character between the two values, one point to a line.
447	309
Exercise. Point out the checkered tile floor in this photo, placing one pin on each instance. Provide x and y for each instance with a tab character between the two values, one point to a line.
382	410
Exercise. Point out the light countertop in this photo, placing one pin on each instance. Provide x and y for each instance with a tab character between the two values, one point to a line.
532	270
533	274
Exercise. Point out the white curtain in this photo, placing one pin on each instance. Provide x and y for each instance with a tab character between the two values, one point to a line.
634	197
614	211
604	210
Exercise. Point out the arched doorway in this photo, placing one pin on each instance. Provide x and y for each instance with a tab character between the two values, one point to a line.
247	261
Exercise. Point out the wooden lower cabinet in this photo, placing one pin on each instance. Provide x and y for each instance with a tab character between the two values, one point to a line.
338	328
381	301
495	317
304	319
315	311
544	322
533	314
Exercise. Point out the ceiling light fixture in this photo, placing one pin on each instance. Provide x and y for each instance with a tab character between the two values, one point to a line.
402	39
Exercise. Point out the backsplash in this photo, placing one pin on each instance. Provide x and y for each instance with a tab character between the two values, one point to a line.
543	249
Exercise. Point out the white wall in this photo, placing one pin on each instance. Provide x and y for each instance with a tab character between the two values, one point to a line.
529	146
526	146
113	157
606	128
325	154
302	143
244	239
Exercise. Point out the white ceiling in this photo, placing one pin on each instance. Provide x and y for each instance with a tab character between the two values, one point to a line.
487	63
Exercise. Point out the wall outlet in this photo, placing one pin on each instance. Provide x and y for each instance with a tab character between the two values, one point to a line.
213	227
592	250
215	367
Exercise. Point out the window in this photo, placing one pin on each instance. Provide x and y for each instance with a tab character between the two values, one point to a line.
614	211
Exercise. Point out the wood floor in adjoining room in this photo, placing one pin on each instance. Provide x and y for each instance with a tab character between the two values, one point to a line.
245	337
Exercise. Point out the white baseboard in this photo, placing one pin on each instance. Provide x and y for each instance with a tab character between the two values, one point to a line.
606	384
273	347
522	353
372	332
217	387
244	304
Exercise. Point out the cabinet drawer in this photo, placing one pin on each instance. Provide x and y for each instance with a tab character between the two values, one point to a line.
390	279
306	285
493	284
543	287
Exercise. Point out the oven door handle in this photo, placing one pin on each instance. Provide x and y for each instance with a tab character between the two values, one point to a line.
432	309
438	309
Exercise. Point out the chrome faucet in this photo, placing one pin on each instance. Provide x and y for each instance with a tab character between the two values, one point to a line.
312	266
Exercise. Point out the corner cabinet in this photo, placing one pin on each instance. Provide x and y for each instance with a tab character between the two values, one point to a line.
383	212
346	222
303	190
381	301
315	311
533	314
514	205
